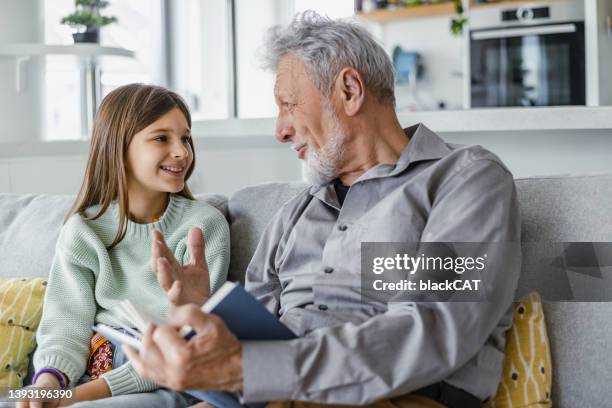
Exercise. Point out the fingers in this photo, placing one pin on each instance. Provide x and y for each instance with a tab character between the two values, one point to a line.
174	294
164	274
164	354
191	315
134	357
150	360
150	352
171	345
160	248
195	240
155	249
137	362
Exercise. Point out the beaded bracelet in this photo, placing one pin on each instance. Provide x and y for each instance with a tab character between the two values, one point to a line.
60	377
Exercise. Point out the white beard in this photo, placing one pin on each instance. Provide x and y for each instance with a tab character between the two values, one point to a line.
322	165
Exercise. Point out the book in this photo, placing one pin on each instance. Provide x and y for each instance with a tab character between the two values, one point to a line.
244	316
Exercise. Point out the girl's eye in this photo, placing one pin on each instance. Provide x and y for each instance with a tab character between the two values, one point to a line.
161	138
186	139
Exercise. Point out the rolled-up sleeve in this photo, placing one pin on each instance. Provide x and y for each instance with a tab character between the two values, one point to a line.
412	344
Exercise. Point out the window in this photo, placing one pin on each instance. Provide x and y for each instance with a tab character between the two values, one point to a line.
206	50
255	87
201	56
139	28
222	80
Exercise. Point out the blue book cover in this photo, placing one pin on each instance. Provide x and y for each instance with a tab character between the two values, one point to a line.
245	316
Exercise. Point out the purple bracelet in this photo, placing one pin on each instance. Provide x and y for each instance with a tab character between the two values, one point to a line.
60	377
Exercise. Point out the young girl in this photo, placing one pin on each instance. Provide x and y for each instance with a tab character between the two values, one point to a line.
141	157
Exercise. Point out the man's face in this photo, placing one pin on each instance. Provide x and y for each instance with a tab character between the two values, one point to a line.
307	121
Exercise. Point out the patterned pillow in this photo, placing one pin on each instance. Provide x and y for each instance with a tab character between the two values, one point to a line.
527	373
21	301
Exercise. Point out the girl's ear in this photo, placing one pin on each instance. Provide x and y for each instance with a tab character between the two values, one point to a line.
351	90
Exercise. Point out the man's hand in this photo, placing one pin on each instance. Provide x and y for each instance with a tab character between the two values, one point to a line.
211	360
183	283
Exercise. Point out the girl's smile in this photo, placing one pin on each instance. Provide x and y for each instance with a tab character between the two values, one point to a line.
174	170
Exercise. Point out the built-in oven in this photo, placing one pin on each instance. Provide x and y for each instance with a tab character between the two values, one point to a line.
529	55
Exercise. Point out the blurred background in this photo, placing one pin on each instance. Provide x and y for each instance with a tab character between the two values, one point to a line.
529	80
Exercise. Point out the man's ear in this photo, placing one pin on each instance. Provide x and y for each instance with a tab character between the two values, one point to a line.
351	89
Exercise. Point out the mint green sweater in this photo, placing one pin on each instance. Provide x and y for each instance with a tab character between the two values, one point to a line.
86	281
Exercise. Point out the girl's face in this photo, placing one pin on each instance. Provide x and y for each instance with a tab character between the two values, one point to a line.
159	156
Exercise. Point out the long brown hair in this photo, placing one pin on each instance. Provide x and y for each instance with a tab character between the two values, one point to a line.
123	113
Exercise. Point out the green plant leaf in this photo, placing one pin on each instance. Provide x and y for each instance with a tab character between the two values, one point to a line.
87	15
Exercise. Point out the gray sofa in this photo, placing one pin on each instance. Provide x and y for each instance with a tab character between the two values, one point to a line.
553	209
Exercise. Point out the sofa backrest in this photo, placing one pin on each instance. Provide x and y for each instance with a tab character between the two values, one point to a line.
573	209
250	211
29	227
553	209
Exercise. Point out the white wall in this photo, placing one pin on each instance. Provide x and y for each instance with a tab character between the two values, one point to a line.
442	55
226	170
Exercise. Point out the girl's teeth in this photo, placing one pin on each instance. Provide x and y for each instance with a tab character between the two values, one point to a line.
174	169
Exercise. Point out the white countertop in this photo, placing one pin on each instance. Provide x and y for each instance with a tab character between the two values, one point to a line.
253	133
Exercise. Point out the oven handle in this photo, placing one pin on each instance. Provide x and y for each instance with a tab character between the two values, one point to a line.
523	31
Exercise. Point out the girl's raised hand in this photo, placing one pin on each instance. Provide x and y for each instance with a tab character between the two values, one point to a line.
183	284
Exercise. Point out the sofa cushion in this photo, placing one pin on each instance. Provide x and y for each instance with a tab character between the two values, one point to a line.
30	225
250	211
21	303
573	208
527	373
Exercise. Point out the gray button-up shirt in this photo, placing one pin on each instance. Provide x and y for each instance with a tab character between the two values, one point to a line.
307	270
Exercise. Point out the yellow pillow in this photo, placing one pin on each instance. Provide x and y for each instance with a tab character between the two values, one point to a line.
21	301
527	373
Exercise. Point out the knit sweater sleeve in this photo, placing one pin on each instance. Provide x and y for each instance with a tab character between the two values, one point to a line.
125	380
217	250
69	310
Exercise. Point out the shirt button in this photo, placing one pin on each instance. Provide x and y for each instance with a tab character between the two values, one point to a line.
342	227
323	307
328	269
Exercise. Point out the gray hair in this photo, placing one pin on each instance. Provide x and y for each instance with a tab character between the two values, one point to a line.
327	46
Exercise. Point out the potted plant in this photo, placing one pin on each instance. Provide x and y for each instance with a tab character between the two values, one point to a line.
86	20
459	21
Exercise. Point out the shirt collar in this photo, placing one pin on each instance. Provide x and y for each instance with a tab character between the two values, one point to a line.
424	145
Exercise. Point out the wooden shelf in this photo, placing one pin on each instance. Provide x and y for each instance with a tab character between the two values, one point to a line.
405	13
509	3
434	10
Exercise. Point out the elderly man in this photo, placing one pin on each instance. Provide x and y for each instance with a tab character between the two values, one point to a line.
371	181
